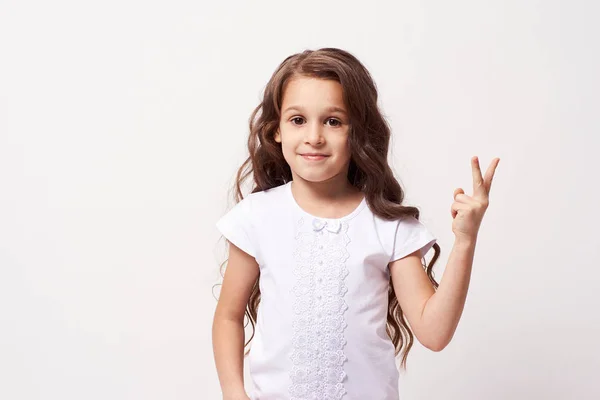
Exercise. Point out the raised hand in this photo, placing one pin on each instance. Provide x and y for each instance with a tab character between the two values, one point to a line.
467	211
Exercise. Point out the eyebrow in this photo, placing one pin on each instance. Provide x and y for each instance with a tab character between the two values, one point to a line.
328	109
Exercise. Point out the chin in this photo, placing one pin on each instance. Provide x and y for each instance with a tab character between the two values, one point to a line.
315	178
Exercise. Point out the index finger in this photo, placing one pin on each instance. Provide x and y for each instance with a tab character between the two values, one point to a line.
478	184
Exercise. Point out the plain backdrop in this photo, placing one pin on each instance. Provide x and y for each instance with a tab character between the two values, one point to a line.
122	124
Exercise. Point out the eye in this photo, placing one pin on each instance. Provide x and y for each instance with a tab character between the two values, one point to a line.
338	122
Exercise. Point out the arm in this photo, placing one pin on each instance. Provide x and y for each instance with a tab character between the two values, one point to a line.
434	315
228	324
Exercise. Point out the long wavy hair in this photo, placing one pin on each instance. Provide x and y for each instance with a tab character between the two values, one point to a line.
369	138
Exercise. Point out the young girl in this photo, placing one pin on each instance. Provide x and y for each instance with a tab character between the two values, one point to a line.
324	259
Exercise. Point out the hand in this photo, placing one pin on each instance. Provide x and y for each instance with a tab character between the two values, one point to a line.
467	211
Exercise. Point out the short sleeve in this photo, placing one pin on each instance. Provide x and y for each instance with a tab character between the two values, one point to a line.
236	225
410	236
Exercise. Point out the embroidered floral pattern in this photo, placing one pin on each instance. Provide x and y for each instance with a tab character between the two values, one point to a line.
318	339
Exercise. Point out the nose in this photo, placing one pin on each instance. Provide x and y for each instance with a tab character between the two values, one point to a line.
314	134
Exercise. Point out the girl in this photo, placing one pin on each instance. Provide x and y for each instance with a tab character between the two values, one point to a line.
323	257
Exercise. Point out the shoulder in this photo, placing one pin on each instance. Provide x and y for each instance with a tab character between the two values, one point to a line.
400	235
265	199
390	226
403	222
259	205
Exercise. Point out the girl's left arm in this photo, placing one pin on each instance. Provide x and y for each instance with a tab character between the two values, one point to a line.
434	315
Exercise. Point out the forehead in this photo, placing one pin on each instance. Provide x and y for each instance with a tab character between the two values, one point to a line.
313	93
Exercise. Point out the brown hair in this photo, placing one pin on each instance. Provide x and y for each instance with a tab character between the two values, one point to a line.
368	137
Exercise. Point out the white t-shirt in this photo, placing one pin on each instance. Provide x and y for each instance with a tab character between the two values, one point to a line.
321	323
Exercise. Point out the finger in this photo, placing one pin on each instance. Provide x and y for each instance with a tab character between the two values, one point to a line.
489	174
460	206
478	187
457	206
465	199
457	192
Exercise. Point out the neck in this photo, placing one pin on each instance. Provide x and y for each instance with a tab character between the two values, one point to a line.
330	190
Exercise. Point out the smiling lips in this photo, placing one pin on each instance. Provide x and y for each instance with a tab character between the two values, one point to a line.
314	156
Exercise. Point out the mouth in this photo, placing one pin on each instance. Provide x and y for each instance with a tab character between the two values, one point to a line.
314	156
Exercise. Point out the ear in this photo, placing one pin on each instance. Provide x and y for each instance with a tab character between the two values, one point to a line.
277	136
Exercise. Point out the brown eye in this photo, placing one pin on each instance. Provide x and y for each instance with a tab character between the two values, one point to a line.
336	121
295	118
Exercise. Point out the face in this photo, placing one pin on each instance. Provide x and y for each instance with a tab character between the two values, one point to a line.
314	120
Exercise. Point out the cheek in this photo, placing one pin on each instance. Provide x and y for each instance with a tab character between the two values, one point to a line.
343	148
289	151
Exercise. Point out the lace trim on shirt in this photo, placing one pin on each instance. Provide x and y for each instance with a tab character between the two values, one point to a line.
318	339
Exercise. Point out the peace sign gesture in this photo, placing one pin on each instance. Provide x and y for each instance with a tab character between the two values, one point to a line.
467	211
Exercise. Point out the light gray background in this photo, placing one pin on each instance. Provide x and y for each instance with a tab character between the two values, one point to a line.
122	124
